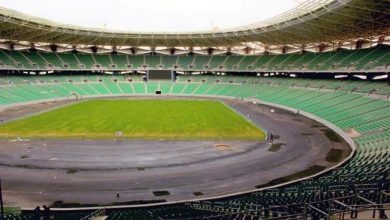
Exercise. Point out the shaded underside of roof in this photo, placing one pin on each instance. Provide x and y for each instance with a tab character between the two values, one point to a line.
336	20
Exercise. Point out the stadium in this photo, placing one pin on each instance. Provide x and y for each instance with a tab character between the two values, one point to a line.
285	118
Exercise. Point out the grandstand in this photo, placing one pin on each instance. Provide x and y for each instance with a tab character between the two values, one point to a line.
374	59
335	72
345	104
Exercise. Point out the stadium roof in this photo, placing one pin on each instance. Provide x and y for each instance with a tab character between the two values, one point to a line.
310	22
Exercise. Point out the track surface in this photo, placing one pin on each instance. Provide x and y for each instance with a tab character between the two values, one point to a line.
91	172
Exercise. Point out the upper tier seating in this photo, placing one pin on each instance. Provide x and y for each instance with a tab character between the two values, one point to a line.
377	58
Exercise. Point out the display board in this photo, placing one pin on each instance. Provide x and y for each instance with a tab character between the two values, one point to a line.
161	75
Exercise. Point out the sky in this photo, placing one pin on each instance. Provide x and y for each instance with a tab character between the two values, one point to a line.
154	15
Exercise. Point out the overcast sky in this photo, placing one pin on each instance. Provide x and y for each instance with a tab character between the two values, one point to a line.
154	15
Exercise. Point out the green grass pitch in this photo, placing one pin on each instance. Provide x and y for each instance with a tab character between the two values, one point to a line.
137	119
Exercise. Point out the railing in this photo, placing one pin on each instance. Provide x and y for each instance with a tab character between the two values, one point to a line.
324	209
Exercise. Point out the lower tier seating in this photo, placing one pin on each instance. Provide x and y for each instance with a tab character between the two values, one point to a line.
364	181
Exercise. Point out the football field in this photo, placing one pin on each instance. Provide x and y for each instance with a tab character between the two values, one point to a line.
137	119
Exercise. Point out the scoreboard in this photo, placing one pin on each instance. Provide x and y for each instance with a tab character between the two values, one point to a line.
161	75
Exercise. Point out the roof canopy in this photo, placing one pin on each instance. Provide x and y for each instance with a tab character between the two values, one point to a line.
311	22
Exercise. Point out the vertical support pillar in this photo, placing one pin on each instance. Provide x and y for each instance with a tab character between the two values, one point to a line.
381	210
370	77
329	210
1	203
305	212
